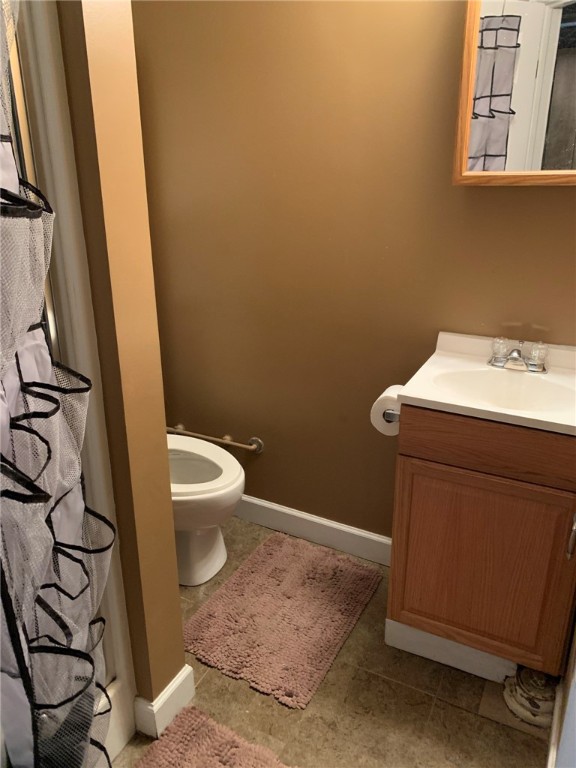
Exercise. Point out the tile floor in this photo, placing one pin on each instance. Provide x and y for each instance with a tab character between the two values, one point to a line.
378	707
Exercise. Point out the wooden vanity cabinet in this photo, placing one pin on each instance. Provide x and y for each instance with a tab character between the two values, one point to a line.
482	522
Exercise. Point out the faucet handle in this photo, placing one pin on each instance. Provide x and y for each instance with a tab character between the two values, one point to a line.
538	353
500	347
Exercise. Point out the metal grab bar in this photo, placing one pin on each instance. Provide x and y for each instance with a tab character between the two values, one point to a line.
254	445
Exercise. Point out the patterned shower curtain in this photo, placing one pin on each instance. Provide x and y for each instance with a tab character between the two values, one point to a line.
491	109
54	550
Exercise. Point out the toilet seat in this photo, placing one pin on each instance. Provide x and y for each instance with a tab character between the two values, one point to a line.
230	469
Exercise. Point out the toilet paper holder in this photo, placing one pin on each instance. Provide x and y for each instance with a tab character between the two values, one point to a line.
385	412
391	415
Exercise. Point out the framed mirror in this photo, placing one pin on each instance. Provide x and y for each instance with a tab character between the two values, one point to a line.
517	112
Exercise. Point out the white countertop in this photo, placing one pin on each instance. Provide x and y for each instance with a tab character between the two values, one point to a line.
458	379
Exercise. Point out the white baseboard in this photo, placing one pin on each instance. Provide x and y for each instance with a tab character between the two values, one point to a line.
556	727
121	726
346	538
153	716
448	652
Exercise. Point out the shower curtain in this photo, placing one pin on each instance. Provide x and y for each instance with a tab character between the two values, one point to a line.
54	550
491	108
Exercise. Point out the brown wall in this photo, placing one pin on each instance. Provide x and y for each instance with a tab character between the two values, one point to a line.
308	243
100	68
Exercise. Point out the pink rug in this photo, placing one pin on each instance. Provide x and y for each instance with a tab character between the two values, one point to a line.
194	740
280	620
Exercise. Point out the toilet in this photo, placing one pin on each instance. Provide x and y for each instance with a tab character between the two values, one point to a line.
206	483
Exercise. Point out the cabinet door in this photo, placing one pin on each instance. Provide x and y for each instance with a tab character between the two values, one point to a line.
482	560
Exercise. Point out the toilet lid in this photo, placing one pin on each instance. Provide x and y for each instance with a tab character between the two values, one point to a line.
198	467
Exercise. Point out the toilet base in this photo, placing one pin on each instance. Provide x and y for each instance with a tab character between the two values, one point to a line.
201	554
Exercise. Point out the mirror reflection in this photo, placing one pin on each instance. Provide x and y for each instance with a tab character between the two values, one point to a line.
524	101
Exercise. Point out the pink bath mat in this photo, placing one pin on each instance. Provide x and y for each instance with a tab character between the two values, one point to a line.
194	740
280	620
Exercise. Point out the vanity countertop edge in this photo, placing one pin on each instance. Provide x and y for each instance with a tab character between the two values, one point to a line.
457	353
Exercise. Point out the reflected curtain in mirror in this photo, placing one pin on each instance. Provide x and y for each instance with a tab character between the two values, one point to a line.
491	108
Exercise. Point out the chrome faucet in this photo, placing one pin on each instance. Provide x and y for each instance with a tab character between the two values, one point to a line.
510	355
515	360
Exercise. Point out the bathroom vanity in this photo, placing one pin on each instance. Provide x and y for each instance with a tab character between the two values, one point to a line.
485	509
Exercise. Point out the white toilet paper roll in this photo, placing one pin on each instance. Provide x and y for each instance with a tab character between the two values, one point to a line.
388	400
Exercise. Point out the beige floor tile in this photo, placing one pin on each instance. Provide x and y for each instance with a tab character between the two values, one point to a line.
270	723
199	669
471	741
414	751
193	597
327	743
254	735
223	698
332	692
366	648
272	715
133	751
242	538
385	703
461	689
368	724
494	708
376	707
184	606
258	718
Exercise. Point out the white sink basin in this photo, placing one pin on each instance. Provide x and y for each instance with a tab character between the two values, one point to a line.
512	390
458	379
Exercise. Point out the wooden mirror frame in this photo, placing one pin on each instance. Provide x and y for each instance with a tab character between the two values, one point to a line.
481	178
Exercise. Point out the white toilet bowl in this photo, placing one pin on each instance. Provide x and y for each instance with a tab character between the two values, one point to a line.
206	484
